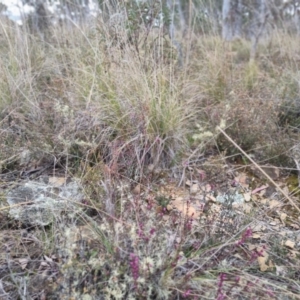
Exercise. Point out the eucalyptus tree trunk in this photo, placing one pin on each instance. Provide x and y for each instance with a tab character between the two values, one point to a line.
259	20
39	20
182	20
296	17
231	19
172	6
108	8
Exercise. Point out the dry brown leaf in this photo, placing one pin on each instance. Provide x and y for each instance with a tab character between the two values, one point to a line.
207	188
285	189
238	256
290	244
211	198
283	217
258	227
247	208
247	197
44	264
251	247
48	259
282	233
137	189
151	168
194	188
23	262
187	209
262	263
242	179
54	257
264	201
296	226
57	181
262	260
188	183
254	198
256	236
294	253
169	207
271	265
274	204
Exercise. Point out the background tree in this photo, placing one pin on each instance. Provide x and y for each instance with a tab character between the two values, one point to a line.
232	19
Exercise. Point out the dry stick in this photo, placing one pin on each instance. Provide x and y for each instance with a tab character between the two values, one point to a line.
260	169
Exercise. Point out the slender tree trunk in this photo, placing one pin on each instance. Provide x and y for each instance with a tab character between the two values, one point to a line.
181	16
232	19
171	30
259	20
296	18
108	8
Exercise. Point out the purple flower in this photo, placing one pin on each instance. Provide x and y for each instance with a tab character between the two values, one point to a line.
134	265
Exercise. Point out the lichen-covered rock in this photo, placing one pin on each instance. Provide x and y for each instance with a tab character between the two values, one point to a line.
40	202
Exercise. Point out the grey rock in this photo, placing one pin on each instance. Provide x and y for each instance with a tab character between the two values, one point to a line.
39	203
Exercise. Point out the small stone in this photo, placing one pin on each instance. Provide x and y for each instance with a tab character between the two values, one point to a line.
290	244
188	183
247	197
137	189
256	236
151	168
194	189
169	207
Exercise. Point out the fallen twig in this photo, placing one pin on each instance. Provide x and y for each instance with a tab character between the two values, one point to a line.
260	169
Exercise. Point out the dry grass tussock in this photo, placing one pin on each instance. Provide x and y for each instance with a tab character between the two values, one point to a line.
126	120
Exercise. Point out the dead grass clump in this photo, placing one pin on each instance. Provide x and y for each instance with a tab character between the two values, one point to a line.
242	98
75	106
253	125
